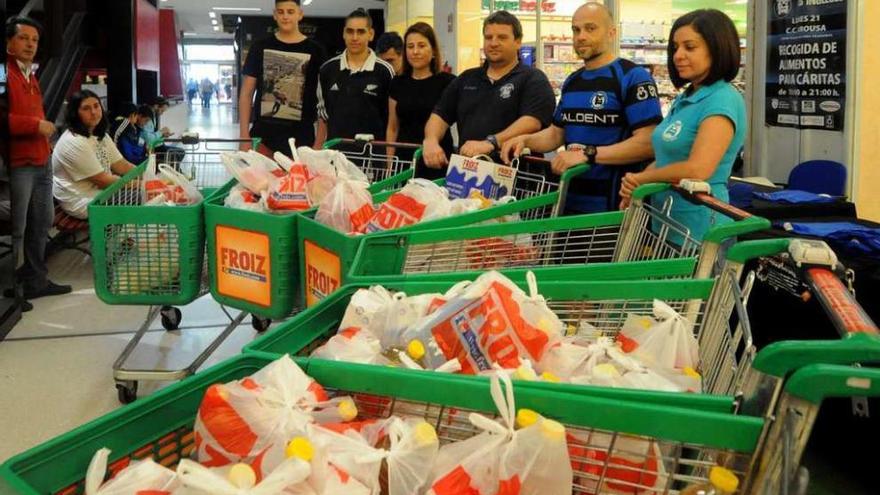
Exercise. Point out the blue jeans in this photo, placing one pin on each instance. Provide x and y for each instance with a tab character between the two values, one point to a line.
32	214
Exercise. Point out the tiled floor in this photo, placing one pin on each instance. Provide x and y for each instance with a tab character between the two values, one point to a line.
56	364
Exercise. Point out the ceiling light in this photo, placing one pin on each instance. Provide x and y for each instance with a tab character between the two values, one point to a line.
214	21
188	33
212	15
251	9
307	2
216	28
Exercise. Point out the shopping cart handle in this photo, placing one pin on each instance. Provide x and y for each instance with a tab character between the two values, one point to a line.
744	251
780	359
845	312
706	199
332	143
817	382
574	172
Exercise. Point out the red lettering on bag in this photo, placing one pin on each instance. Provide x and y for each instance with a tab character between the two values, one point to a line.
360	217
455	482
513	486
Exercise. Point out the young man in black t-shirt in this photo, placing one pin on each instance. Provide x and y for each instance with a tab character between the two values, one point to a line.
283	72
353	86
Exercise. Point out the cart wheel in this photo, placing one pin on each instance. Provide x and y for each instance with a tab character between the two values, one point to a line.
260	324
171	317
127	392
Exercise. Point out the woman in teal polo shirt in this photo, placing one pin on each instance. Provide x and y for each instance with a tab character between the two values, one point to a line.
706	125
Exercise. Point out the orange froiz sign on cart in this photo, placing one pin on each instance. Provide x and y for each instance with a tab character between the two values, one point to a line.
323	272
244	265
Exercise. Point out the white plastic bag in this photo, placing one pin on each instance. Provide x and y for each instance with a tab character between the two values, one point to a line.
180	182
354	345
200	480
347	207
257	179
411	456
667	343
140	476
242	198
290	193
624	462
489	321
536	461
363	305
251	420
419	200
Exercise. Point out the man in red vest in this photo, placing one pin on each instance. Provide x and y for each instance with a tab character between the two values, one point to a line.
30	175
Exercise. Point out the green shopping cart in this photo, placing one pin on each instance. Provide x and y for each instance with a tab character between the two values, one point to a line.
153	255
642	232
253	256
634	445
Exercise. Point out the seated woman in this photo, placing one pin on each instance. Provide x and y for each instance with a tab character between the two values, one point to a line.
706	126
85	159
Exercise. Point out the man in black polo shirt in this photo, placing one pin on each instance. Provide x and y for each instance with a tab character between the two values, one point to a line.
493	103
353	86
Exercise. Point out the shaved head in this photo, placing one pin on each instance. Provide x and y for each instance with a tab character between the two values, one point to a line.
595	10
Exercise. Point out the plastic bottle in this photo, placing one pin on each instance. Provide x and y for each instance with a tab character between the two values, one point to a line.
722	481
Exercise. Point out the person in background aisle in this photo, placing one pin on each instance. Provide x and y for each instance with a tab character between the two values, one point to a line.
389	47
414	94
207	89
706	125
30	177
353	86
283	72
605	116
153	134
493	103
126	131
192	89
85	160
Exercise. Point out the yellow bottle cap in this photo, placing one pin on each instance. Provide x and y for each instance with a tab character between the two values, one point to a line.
524	373
723	479
544	325
606	369
645	323
526	418
553	430
242	476
415	349
301	448
571	329
550	377
425	433
347	410
691	372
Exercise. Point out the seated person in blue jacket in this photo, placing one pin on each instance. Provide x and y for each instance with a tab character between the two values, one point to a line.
153	134
126	131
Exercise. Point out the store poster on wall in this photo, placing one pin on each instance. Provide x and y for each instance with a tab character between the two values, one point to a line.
806	64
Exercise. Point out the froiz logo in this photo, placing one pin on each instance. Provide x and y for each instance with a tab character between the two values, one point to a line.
598	100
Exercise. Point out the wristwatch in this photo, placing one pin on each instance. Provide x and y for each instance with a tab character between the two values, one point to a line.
493	141
590	152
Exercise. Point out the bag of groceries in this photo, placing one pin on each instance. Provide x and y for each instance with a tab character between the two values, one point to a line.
347	207
665	342
418	200
290	193
251	420
488	321
143	476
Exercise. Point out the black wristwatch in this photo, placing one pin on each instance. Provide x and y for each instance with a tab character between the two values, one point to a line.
590	152
493	141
